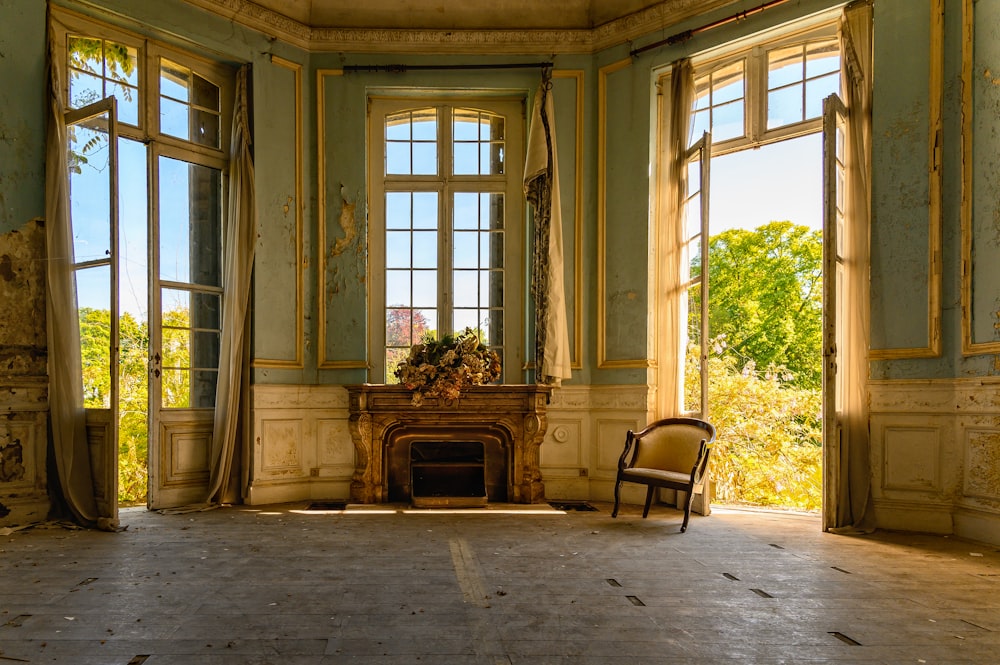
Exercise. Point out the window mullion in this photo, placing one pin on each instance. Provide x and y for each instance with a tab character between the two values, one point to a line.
445	224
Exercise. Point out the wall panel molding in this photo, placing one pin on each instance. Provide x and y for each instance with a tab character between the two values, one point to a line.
296	207
978	157
603	362
323	362
935	132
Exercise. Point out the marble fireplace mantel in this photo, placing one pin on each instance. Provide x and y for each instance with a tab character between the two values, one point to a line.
512	417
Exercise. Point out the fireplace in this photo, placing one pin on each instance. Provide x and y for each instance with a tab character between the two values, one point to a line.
482	447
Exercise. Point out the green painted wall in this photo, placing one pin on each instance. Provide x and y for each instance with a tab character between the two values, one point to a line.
22	118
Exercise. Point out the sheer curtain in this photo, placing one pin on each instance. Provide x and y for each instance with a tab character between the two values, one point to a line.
67	418
854	511
241	238
672	297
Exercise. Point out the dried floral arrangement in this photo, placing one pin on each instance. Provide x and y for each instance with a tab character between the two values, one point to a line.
444	367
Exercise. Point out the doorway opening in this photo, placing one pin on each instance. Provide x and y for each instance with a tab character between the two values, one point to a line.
765	321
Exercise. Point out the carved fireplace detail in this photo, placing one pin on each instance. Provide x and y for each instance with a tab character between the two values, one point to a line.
508	421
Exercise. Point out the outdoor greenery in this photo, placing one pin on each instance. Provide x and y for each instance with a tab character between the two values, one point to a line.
765	365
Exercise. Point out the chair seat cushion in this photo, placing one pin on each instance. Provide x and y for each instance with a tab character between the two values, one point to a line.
641	475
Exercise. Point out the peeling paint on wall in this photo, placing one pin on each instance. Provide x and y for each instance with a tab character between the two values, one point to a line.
22	301
348	225
11	459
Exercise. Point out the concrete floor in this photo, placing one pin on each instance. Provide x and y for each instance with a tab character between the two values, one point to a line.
381	585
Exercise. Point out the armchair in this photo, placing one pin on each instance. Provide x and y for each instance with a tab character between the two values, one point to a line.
671	453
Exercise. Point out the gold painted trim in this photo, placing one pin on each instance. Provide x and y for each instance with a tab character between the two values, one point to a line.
935	175
969	347
321	359
935	208
602	222
576	358
298	362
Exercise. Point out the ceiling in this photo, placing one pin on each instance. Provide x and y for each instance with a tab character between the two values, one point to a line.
557	26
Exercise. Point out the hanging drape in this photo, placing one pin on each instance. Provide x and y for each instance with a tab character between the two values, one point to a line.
673	266
67	418
241	238
854	510
541	189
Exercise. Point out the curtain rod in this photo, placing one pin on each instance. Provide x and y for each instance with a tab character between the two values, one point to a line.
681	37
401	69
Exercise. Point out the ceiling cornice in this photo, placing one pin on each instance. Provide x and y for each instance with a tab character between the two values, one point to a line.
374	40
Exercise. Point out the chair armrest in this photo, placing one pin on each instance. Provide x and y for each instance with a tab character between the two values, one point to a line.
701	463
629	440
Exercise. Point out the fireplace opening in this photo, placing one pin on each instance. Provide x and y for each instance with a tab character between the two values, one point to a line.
447	466
447	473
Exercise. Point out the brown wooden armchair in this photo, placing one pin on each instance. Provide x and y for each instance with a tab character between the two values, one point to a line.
671	453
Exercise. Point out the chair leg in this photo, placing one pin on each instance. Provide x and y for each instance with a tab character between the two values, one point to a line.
649	501
687	510
618	490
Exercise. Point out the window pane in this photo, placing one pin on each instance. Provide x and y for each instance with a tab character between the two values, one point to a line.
99	69
784	106
424	158
132	228
84	89
466	255
397	249
817	90
784	66
727	121
425	210
190	222
425	125
466	158
822	58
128	103
397	210
173	118
478	143
494	329
727	83
85	54
425	288
411	143
466	288
425	249
466	211
90	188
203	388
93	287
699	125
397	158
181	90
397	288
493	212
702	93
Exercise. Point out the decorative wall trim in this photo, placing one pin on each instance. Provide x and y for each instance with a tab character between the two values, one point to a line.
602	222
934	182
969	345
576	359
935	450
297	362
367	40
322	361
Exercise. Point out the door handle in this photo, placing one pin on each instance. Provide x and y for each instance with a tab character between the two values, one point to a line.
154	365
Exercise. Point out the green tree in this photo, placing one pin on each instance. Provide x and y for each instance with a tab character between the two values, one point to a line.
765	299
769	443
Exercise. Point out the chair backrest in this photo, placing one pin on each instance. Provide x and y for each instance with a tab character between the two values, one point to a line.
671	444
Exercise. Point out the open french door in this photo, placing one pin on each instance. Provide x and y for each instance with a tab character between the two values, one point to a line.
185	324
92	161
834	197
695	276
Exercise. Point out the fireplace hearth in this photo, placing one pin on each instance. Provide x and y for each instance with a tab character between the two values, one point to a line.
482	447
